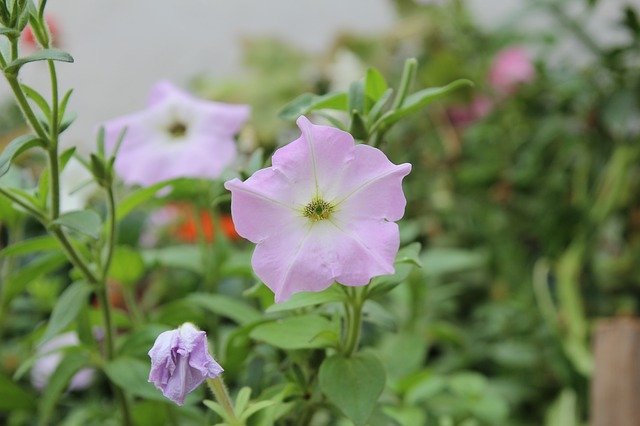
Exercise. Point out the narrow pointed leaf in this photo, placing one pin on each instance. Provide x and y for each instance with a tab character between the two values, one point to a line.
42	55
15	148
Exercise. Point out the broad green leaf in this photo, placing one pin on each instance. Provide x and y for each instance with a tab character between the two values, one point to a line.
85	222
15	148
127	266
182	256
306	299
298	332
226	306
417	101
36	244
71	363
353	384
308	102
137	343
42	55
43	265
67	309
374	84
13	397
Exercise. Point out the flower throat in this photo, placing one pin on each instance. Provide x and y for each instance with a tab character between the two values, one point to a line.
318	209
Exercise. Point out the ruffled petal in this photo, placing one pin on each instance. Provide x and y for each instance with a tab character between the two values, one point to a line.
262	205
371	187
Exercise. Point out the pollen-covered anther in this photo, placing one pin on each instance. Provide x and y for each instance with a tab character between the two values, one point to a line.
318	209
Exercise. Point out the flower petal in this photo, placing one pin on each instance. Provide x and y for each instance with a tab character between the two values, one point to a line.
261	206
371	187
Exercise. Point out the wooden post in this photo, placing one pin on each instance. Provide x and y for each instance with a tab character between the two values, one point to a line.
615	388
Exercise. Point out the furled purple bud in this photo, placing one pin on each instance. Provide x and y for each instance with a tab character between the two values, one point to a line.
180	362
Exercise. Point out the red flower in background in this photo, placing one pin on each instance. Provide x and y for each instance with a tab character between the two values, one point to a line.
29	39
188	228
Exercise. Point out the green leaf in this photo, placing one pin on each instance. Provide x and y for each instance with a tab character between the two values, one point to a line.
417	101
357	97
375	85
306	299
36	244
242	399
308	102
127	266
85	222
13	397
38	99
225	306
41	266
140	196
58	382
353	384
132	375
15	148
181	256
406	260
67	309
441	261
42	55
298	332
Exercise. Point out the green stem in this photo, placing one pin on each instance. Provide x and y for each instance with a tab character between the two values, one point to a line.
353	319
221	394
25	107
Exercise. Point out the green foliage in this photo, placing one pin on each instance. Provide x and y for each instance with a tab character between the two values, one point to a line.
353	384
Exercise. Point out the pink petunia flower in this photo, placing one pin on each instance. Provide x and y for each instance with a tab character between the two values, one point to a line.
177	135
323	212
49	357
180	362
510	68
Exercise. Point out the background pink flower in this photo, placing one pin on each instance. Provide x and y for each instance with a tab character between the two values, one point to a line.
510	68
323	212
177	135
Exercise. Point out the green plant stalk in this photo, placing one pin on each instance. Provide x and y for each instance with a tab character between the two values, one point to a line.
54	178
353	319
104	301
219	390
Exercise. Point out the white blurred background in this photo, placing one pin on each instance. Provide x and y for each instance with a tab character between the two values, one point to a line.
122	47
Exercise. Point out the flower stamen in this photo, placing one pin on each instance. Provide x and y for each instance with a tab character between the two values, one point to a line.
318	209
177	129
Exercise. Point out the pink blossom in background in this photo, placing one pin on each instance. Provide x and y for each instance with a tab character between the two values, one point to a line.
510	68
180	362
50	356
323	212
177	135
464	115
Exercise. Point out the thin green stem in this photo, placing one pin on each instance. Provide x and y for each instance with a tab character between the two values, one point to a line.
219	390
25	107
353	318
54	177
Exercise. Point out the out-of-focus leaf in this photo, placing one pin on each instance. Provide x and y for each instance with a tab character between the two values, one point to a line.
13	397
71	363
67	309
15	148
127	266
353	384
85	222
35	244
226	306
306	299
308	102
298	332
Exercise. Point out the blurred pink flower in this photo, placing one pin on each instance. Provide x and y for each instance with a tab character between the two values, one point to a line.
50	356
177	135
323	212
464	115
510	68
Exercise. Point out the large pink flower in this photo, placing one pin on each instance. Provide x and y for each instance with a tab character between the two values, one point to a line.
323	212
177	135
510	68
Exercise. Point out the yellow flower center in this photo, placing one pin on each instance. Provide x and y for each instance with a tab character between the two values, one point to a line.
177	129
318	209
